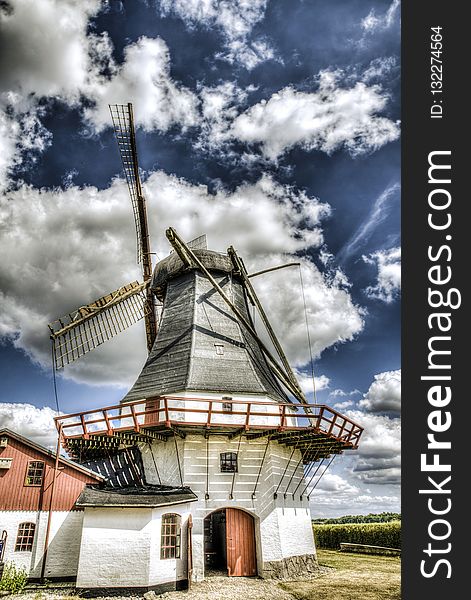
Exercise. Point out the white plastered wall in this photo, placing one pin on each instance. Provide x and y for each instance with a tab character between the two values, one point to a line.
127	542
64	542
282	525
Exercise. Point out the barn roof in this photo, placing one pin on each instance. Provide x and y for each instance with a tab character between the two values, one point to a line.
147	496
49	453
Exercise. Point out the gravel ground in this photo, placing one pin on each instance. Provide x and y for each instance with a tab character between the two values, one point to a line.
217	587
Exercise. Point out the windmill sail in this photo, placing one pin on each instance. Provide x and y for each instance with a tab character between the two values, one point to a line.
123	122
90	326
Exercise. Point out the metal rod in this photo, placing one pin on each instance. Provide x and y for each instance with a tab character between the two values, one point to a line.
178	458
238	264
293	264
315	473
155	464
235	472
322	475
51	505
306	475
284	473
206	494
261	465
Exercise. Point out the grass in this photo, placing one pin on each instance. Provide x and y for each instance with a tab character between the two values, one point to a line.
351	577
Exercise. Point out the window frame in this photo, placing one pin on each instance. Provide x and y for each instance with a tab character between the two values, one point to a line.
228	462
25	537
170	536
35	476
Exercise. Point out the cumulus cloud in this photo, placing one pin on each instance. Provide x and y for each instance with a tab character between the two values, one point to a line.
235	19
47	51
384	394
388	283
305	381
338	490
377	459
331	118
143	79
34	423
44	53
72	246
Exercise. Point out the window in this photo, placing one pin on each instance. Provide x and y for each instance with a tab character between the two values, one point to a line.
227	404
170	536
228	462
219	349
25	537
35	472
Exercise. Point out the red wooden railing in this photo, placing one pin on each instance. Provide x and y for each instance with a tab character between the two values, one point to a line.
169	411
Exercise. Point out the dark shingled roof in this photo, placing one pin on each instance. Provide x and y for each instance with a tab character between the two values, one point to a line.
147	496
200	344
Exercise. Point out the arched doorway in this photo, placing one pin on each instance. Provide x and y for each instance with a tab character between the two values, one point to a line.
229	543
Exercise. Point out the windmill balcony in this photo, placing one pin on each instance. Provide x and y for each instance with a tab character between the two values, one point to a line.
311	427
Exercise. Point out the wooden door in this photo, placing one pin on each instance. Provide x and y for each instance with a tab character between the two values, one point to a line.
240	542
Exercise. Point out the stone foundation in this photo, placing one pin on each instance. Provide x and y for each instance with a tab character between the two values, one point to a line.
293	567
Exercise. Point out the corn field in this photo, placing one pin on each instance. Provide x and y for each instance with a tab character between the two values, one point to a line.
374	534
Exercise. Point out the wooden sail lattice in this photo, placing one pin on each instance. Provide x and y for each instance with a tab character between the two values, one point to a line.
121	115
90	326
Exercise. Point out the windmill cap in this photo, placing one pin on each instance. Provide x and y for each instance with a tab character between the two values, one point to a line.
173	266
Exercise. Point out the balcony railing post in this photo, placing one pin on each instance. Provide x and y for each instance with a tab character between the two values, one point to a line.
247	418
167	418
134	418
86	435
210	410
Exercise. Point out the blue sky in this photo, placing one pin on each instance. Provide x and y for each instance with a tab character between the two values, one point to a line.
272	126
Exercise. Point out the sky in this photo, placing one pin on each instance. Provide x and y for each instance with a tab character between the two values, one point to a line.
270	126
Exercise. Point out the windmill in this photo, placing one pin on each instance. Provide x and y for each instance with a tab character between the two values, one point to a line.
92	325
215	438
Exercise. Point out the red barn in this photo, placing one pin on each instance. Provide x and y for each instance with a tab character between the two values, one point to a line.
26	485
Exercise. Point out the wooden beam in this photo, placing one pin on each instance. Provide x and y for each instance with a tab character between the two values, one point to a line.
176	242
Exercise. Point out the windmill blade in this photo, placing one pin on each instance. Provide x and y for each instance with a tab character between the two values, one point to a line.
123	122
90	326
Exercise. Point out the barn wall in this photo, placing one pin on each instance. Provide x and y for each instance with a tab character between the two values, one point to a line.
64	542
14	495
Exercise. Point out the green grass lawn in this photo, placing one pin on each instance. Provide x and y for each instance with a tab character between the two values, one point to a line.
351	577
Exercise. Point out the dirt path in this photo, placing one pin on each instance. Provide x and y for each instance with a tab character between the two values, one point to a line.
232	588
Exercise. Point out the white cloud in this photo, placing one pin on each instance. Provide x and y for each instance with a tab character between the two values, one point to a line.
234	18
374	22
305	381
338	392
44	53
379	68
31	422
48	52
388	283
72	246
384	394
143	79
45	47
377	459
329	119
377	215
